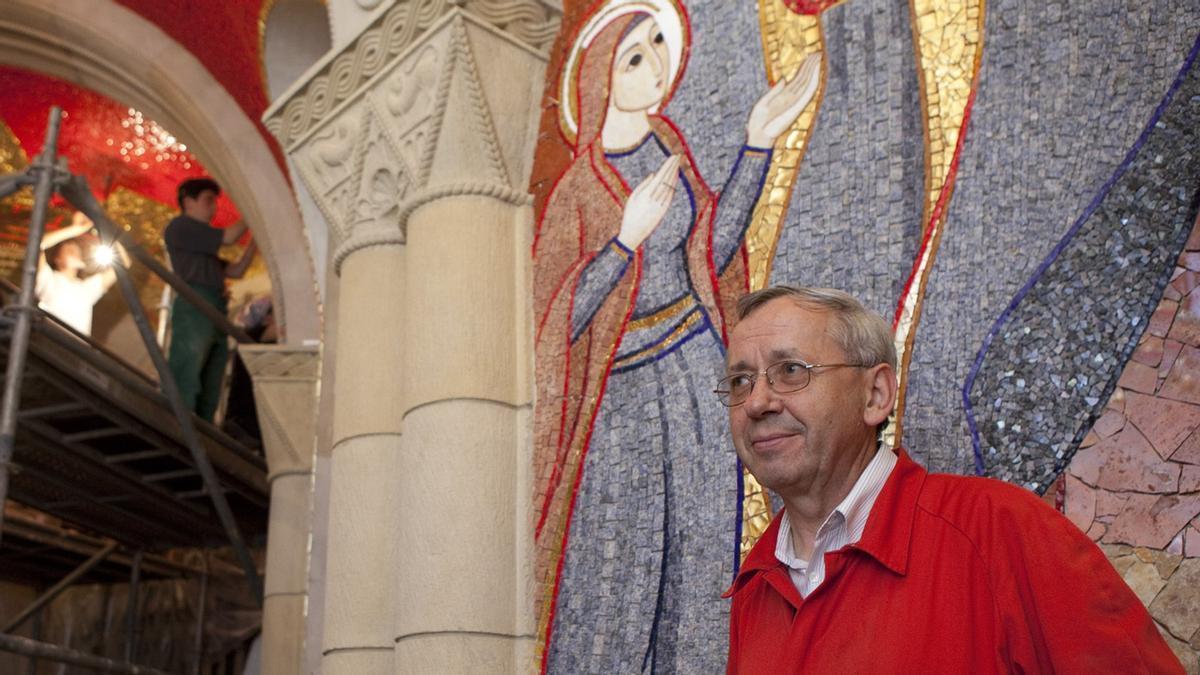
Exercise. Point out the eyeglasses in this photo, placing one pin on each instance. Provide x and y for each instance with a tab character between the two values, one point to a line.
784	377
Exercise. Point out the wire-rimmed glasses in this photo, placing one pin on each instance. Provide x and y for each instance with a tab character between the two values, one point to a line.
784	377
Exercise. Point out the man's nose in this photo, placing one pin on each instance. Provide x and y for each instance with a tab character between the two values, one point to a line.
763	400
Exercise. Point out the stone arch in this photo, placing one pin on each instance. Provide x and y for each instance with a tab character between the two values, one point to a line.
296	35
114	51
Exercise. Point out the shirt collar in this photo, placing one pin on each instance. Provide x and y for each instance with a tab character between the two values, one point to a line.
851	513
888	534
886	537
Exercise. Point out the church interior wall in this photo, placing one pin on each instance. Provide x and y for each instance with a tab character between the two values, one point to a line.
1016	201
1012	184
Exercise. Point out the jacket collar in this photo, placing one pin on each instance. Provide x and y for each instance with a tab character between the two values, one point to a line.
887	536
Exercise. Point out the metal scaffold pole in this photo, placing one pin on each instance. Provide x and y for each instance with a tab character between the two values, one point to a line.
45	170
54	591
42	650
76	191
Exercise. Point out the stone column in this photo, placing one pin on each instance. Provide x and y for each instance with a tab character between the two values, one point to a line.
285	392
416	143
363	501
460	574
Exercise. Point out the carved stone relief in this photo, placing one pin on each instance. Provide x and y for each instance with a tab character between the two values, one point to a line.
424	128
327	165
408	97
532	22
381	181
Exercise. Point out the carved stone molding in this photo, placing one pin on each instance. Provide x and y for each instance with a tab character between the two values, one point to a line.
532	22
285	392
281	362
433	123
361	240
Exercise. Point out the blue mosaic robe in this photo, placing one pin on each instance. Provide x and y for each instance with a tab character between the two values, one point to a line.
656	522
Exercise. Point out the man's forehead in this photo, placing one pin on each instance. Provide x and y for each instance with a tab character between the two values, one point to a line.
775	334
782	318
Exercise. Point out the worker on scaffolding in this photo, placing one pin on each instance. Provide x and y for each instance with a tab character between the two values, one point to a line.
64	287
199	350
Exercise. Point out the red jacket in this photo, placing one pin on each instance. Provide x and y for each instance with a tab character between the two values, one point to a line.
952	575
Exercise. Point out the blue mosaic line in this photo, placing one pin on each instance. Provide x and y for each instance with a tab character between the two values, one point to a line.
1062	244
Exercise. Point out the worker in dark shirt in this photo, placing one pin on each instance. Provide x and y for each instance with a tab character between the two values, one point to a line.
199	350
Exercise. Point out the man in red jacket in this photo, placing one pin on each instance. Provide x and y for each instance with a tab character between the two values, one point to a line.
875	565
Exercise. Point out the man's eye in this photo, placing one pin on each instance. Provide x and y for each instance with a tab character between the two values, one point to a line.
635	61
739	382
791	367
658	39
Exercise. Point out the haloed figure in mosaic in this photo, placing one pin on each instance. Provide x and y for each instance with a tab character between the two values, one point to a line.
637	263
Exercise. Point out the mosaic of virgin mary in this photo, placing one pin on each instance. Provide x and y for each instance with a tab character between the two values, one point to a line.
637	263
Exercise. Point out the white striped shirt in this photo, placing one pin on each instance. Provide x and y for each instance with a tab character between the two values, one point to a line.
842	527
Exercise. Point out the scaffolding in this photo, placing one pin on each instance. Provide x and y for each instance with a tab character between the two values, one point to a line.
103	446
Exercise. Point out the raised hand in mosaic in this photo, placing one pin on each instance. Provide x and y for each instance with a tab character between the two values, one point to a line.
778	109
648	204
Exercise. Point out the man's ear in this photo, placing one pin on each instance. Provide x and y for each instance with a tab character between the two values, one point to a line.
881	394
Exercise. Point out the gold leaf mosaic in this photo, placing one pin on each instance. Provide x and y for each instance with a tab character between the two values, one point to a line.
787	39
949	44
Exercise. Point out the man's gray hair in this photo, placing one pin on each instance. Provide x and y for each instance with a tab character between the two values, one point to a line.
863	335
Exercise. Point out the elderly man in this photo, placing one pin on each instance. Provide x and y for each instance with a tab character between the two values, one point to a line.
875	565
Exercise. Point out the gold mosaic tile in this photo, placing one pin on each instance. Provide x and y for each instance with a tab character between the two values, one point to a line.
949	36
787	39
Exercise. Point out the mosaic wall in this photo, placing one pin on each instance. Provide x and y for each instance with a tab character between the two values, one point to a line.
1010	183
1134	485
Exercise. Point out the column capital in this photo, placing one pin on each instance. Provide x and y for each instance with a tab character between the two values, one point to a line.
416	116
285	391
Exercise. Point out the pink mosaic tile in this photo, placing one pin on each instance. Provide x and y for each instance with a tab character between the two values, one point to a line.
1139	377
1186	281
1191	541
1189	451
1160	321
1164	423
1080	503
1109	423
1123	462
1152	520
1170	353
1183	382
1110	503
1189	479
1117	400
1150	352
1186	328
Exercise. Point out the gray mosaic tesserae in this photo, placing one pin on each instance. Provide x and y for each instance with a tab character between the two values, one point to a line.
855	217
653	532
1053	364
1065	90
654	527
723	79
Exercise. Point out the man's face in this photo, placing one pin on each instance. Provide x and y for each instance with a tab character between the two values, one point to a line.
798	442
69	257
203	207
